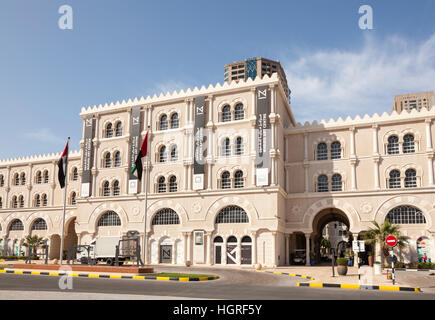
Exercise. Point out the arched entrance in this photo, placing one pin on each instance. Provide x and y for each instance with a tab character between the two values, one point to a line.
71	238
218	243
246	250
333	225
232	250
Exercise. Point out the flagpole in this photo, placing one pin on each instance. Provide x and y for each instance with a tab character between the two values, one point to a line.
64	205
146	201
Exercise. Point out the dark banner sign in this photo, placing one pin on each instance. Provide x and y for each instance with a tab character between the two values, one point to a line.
198	164
88	153
135	125
263	135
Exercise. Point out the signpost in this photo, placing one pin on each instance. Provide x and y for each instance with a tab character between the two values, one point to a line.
391	241
358	246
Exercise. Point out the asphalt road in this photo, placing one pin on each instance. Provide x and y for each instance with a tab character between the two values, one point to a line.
233	284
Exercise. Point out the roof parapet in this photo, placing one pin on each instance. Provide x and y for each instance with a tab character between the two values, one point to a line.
38	158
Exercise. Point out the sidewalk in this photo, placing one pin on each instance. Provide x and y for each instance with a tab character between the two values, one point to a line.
323	274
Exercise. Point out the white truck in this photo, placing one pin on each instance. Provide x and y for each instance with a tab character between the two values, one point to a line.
102	249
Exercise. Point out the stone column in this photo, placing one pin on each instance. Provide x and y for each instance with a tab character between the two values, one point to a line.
189	247
274	255
147	249
307	182
287	249
224	252
209	249
430	168
185	234
307	249
254	247
376	172
239	252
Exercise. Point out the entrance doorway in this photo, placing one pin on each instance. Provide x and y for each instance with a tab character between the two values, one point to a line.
330	231
232	250
165	254
218	242
246	253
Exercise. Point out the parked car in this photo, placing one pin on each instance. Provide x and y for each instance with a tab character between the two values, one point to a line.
299	256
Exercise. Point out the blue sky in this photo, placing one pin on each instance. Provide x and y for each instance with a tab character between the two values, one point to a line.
125	49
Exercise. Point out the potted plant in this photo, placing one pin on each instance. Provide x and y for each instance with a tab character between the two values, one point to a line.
370	258
342	266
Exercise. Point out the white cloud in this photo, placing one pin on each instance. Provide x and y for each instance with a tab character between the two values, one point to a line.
168	86
328	84
44	135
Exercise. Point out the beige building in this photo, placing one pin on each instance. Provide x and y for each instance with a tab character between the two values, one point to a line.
265	186
413	101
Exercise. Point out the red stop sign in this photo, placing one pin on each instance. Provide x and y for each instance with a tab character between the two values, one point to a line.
391	241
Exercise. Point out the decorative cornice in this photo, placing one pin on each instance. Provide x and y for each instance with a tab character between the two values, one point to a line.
38	158
180	95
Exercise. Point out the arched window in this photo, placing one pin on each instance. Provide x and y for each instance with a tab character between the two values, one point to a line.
38	179
173	184
232	214
408	144
37	200
232	239
174	153
116	189
75	175
337	184
174	121
239	114
109	130
218	239
225	180
322	151
44	200
39	224
73	198
23	179
46	176
226	114
163	122
118	129
107	160
165	217
117	159
16	225
238	179
322	183
394	179
21	201
106	189
161	188
238	150
16	179
405	215
162	154
410	178
226	148
336	150
109	219
393	145
14	202
246	239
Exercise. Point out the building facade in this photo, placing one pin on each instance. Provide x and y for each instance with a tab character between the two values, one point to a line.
233	178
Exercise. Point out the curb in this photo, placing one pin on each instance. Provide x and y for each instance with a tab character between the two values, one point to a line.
107	276
410	270
287	274
357	287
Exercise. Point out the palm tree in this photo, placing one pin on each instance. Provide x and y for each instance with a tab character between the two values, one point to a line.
379	233
34	242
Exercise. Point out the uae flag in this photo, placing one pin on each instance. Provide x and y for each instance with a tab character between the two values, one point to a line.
142	153
62	166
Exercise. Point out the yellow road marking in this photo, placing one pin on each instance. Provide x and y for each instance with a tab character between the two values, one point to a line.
183	279
53	274
37	273
350	286
112	276
139	277
163	278
389	288
93	275
317	285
